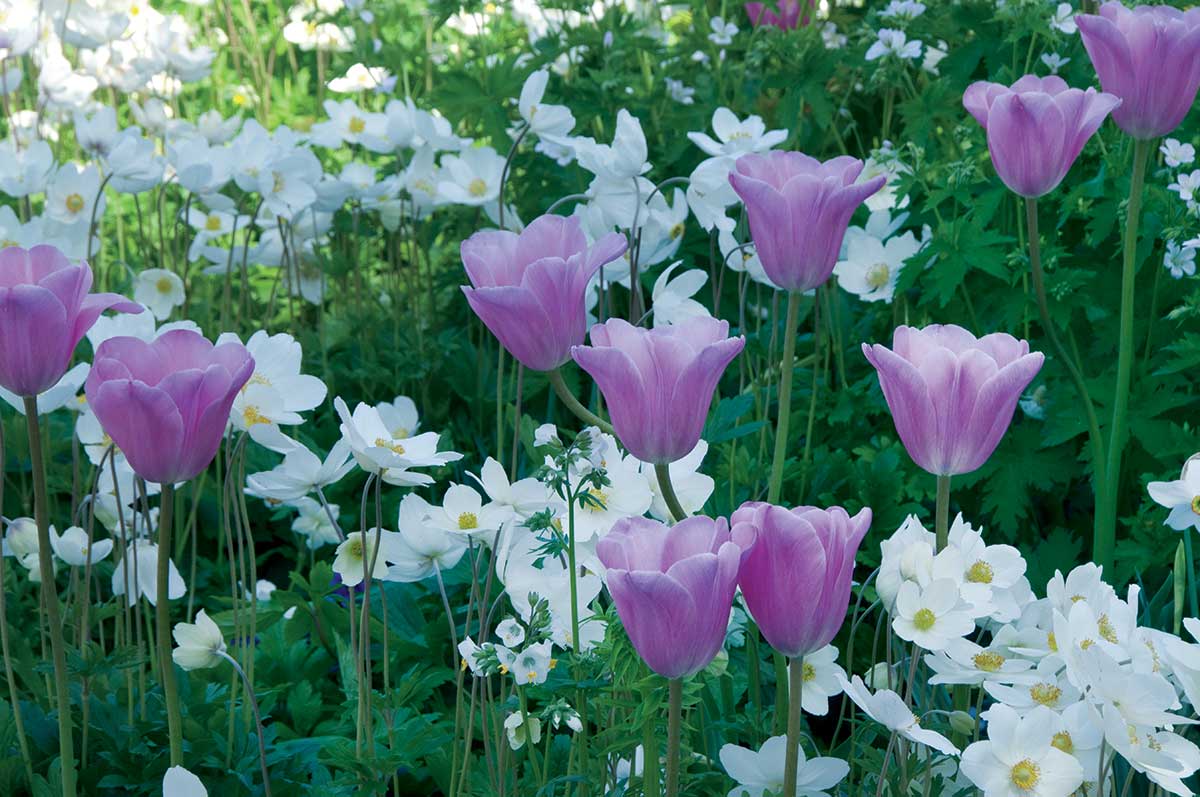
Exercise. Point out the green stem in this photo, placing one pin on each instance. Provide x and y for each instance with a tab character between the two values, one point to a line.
1106	532
580	695
258	725
1039	287
650	784
1193	602
785	396
162	608
662	472
13	695
942	519
674	724
581	412
66	742
791	761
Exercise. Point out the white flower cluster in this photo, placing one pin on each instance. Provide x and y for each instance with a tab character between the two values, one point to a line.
1074	678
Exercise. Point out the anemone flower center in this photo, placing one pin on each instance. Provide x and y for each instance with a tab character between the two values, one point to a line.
924	619
877	275
988	661
980	573
477	187
390	445
1025	774
468	521
1045	694
74	203
357	125
1062	740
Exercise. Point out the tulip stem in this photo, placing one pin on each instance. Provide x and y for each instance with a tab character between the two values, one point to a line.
162	608
1106	531
791	761
18	720
66	743
942	518
662	472
581	412
674	723
1039	288
650	783
785	396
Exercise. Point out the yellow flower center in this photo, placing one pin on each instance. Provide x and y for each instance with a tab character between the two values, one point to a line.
980	573
468	521
355	548
988	661
877	276
677	231
1087	643
278	183
809	672
531	676
1062	740
74	203
924	619
477	187
240	99
1052	642
1076	598
163	285
1045	694
7	242
212	223
1107	632
251	416
357	125
1025	774
1196	505
390	445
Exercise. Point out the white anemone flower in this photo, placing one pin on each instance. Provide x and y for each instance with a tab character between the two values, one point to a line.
889	709
198	645
423	549
761	773
931	616
1019	758
1181	496
75	548
159	290
179	782
136	574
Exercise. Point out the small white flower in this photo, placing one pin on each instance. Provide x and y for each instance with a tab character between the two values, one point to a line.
682	94
511	632
832	39
542	118
895	43
821	676
199	645
423	548
532	665
1186	185
722	32
1063	19
1176	154
1054	62
1179	260
545	434
363	78
672	298
903	10
692	487
519	732
355	553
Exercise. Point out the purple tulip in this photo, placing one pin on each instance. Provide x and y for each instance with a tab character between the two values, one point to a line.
673	587
795	574
45	308
951	395
166	404
1037	128
799	208
529	288
787	18
1150	58
658	383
